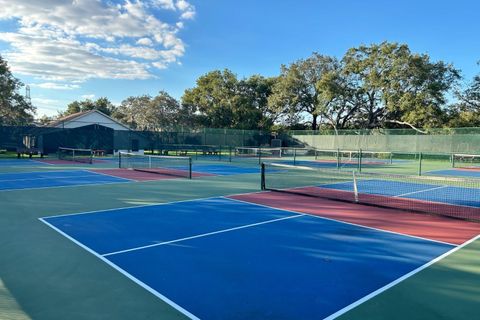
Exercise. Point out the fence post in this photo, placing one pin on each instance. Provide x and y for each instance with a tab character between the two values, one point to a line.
190	168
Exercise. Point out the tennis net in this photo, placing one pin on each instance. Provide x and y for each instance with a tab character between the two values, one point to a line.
164	165
453	197
77	155
466	161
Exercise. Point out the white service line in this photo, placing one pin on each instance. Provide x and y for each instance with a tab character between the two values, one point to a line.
395	282
108	175
419	191
203	235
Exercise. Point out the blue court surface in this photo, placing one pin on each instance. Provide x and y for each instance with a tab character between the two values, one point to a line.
21	162
218	170
223	170
457	173
433	193
219	258
46	179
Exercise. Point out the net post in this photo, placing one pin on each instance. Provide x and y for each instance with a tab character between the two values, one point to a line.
294	156
259	155
391	157
360	160
453	160
190	168
119	160
420	156
338	158
316	157
230	153
262	177
220	153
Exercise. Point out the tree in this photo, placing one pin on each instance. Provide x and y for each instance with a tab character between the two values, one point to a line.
157	113
395	86
253	111
101	104
214	98
306	86
223	101
14	108
466	112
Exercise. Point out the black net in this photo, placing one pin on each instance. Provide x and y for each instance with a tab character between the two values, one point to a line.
77	155
164	165
453	197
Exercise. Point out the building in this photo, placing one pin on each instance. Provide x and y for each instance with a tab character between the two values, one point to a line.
90	130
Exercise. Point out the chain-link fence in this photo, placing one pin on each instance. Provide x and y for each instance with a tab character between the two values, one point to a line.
449	140
101	136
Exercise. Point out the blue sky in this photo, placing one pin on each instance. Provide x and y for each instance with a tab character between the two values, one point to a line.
141	47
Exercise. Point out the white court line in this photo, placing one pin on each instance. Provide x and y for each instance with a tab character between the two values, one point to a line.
41	172
345	222
49	178
40	161
151	204
126	274
68	186
397	281
109	175
420	191
203	235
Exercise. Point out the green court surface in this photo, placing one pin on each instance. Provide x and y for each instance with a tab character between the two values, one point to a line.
45	276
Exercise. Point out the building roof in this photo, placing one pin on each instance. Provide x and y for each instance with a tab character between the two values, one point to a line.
76	117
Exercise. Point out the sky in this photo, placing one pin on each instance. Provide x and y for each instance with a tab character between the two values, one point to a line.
87	49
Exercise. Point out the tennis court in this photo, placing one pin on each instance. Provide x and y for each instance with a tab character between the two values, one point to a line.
250	261
50	179
141	239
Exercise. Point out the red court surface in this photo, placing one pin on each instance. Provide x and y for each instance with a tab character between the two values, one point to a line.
420	225
66	162
147	176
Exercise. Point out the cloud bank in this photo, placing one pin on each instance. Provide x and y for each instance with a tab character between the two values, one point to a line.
68	42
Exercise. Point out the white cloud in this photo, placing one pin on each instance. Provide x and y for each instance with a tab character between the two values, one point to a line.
88	96
73	41
55	86
165	4
145	42
188	10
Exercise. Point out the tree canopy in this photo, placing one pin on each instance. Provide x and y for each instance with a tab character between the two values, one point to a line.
223	101
15	109
102	104
383	85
